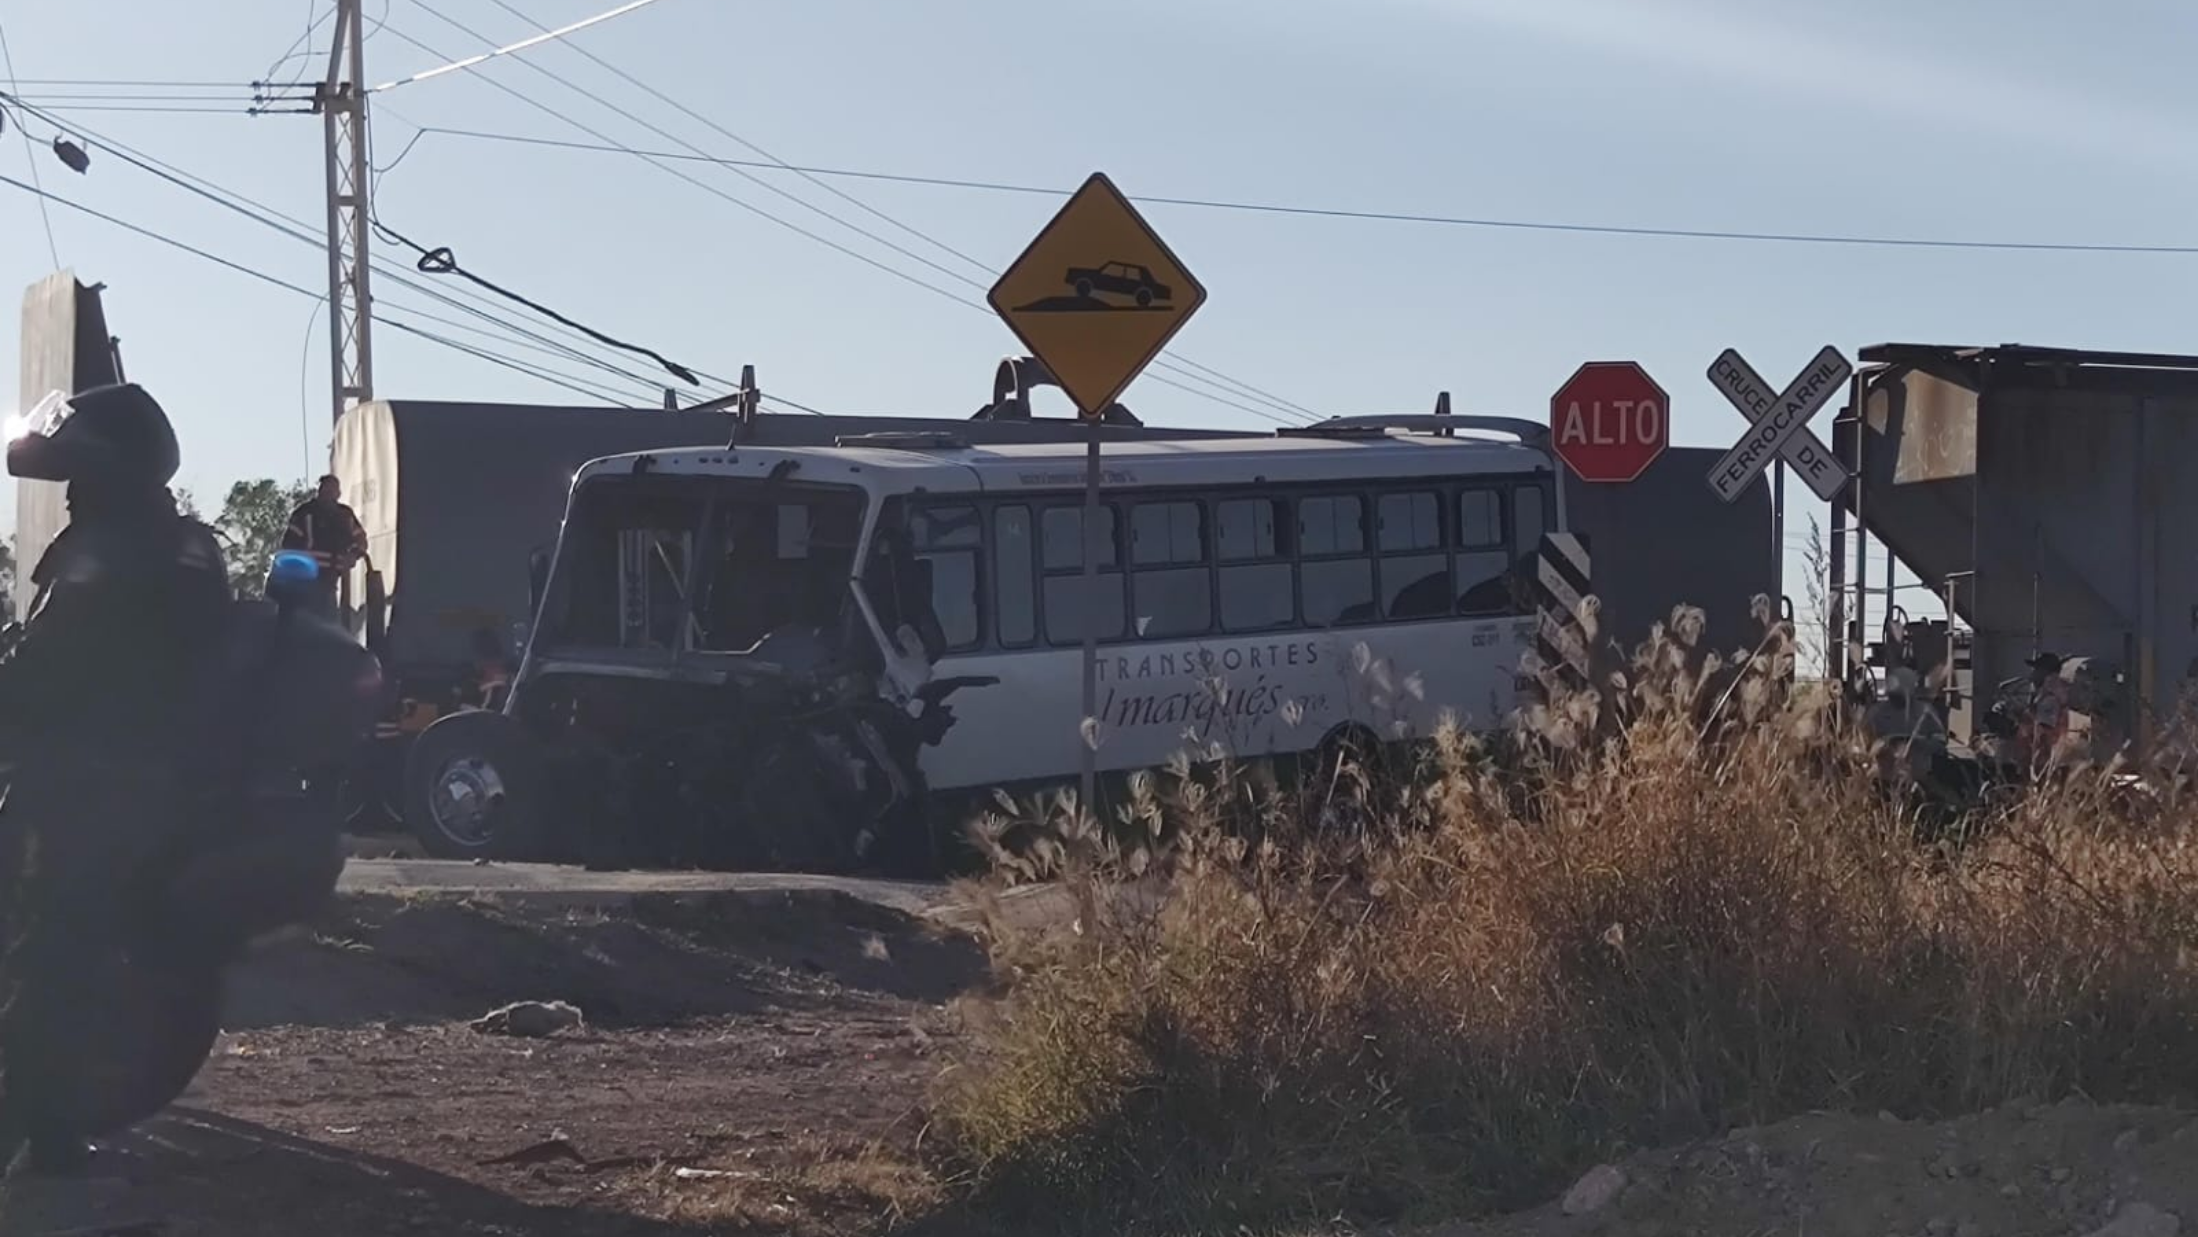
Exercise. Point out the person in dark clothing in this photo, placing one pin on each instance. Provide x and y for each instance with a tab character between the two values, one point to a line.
98	717
491	670
330	531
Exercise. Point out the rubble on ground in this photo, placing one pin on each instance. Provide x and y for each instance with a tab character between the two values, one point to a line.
529	1019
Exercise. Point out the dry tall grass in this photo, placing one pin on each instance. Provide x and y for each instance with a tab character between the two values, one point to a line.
1457	1009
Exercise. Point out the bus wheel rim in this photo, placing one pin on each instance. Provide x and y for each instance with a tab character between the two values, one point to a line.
464	800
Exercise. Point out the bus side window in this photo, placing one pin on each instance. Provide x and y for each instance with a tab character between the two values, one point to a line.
1069	607
1529	519
1171	592
1013	576
948	542
1484	560
1336	579
1530	503
1415	570
1258	584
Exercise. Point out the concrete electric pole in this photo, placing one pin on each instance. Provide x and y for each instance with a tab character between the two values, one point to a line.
341	101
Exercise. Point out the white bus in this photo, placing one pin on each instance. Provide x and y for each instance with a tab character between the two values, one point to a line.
746	651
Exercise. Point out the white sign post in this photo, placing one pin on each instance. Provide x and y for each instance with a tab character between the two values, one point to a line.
1777	423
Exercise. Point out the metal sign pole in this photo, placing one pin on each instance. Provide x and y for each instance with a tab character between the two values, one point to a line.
1778	523
1087	734
1095	297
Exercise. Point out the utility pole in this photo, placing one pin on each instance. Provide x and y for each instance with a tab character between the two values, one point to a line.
341	101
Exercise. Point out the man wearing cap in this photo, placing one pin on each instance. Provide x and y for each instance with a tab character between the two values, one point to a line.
2048	709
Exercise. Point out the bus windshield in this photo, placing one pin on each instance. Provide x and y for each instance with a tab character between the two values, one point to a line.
699	564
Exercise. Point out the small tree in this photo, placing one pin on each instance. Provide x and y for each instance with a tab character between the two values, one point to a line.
250	525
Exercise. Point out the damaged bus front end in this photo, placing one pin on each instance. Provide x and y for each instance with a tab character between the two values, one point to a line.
725	670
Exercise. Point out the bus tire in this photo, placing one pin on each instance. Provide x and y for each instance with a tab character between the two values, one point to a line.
906	847
1348	747
947	818
472	788
1347	744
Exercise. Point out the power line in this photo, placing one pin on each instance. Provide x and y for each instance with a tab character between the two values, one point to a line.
313	20
441	261
774	160
545	37
286	285
150	234
7	58
650	389
1373	216
1215	377
539	373
256	104
633	386
132	83
1209	396
543	374
647	389
300	231
896	272
705	186
523	337
147	109
1175	364
1219	378
1230	397
758	181
120	96
298	49
380	170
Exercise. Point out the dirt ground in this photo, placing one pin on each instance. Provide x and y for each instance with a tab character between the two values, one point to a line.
758	1063
747	1063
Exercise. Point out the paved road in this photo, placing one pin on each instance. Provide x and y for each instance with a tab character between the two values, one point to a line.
548	883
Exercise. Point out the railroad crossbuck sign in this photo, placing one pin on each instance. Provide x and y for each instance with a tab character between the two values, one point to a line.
1096	296
1609	421
1779	423
1805	453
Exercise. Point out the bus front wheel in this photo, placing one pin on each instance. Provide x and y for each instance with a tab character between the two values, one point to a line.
471	788
1343	781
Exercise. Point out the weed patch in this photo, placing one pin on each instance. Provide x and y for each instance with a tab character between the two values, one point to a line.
1702	909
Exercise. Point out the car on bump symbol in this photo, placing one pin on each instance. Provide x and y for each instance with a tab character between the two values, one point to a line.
1122	279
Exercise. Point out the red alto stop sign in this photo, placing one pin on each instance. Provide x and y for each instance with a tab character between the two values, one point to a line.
1610	421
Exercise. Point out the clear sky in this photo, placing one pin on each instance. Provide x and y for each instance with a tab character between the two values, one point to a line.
1970	119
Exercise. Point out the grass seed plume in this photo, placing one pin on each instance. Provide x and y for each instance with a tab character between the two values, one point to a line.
1704	906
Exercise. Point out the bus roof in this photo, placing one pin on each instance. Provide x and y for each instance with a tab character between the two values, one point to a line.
888	464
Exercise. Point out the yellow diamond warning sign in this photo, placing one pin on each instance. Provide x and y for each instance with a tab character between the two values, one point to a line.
1097	295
